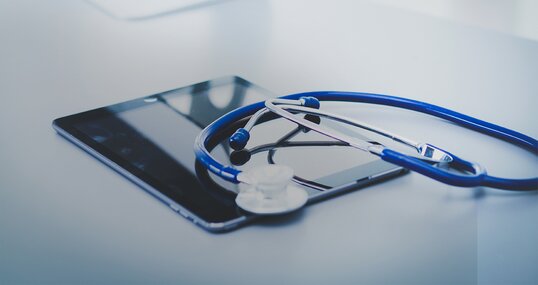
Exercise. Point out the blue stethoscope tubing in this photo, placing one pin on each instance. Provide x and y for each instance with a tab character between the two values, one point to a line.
230	173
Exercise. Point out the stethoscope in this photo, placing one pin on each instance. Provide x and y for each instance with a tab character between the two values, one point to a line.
271	189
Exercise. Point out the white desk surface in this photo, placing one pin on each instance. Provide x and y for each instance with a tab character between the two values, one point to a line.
65	218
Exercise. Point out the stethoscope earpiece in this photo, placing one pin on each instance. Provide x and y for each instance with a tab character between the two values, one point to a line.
240	157
312	118
239	139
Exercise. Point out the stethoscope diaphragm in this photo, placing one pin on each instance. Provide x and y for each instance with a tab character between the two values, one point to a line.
271	191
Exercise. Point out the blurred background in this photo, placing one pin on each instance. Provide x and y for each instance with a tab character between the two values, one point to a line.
515	17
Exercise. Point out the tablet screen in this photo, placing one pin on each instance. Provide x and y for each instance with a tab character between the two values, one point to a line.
151	139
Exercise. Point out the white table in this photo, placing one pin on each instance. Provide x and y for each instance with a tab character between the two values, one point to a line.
65	218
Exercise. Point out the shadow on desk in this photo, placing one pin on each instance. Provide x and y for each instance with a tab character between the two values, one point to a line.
281	220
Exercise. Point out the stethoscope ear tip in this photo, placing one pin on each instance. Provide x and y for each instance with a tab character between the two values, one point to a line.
240	157
312	118
239	139
310	102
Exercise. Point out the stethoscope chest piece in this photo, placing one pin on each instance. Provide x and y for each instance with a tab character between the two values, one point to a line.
271	191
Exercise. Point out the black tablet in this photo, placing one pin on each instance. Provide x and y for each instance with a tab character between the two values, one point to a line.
150	141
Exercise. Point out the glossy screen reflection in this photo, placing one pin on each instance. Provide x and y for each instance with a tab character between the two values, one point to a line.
153	138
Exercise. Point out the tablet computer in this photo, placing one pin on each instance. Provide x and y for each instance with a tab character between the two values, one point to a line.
150	140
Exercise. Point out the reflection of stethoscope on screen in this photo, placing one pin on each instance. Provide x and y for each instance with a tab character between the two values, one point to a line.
271	191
